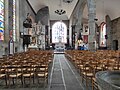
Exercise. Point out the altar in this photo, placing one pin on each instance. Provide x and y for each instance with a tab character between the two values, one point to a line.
33	47
59	48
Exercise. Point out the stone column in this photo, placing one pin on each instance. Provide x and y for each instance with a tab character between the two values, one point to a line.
73	36
91	22
6	21
70	32
17	22
108	32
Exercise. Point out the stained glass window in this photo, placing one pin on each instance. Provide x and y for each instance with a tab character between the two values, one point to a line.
14	20
102	35
1	20
59	33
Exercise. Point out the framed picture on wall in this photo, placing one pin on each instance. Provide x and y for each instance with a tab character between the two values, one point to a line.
85	29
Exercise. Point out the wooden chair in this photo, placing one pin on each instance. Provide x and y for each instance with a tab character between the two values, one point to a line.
27	72
94	84
96	67
42	74
87	75
13	74
3	75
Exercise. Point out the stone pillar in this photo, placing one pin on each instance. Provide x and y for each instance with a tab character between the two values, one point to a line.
91	23
70	32
11	18
6	21
17	22
46	36
73	36
108	33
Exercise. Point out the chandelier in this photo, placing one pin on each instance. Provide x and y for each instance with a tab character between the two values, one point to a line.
67	1
60	11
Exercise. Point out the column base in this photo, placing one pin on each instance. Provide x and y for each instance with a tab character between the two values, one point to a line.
92	46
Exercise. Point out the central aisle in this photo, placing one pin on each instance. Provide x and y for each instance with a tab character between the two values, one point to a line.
63	75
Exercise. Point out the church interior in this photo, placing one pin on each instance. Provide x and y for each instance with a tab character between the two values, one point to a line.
59	45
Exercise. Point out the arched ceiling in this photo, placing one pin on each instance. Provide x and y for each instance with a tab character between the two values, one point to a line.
54	5
103	7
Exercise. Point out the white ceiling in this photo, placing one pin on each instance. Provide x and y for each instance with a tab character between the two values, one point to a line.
54	5
103	7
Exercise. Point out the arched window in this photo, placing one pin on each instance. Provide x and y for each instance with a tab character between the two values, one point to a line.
14	20
103	34
59	33
1	20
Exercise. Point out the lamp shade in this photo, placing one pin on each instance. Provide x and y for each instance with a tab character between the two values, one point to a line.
67	1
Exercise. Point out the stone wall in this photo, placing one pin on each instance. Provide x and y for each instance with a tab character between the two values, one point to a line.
115	26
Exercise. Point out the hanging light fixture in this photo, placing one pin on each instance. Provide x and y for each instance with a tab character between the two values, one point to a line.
60	11
67	1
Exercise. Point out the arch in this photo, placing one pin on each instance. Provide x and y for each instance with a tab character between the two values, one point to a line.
91	14
91	5
80	13
43	16
59	32
78	19
103	35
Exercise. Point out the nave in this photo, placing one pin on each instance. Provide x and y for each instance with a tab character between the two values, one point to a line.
64	75
43	70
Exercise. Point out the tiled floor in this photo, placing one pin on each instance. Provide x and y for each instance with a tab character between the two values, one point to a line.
63	76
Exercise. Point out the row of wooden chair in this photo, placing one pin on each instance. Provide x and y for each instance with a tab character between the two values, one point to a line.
89	63
32	65
22	72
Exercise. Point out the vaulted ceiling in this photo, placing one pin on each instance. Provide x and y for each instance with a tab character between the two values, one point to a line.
103	7
54	5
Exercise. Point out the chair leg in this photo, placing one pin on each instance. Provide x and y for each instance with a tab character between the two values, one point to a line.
13	81
30	80
9	81
6	80
38	80
86	83
24	80
33	80
21	80
92	85
46	82
16	80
